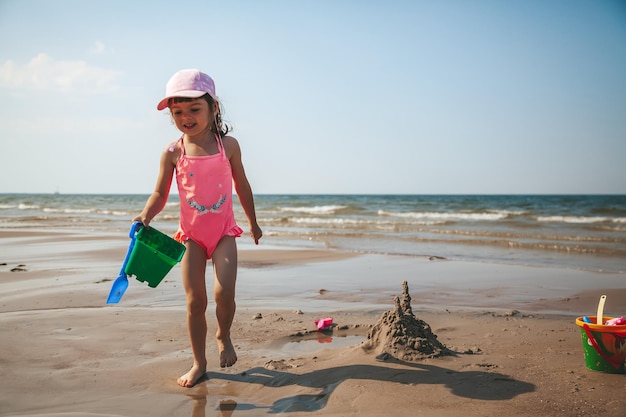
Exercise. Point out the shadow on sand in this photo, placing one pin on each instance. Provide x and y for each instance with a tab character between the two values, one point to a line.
475	384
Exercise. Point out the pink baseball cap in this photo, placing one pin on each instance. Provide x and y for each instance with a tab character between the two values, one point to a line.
189	83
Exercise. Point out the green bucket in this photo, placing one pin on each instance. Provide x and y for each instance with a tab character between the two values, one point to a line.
604	346
153	256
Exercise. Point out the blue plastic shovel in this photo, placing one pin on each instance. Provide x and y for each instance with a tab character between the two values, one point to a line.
121	283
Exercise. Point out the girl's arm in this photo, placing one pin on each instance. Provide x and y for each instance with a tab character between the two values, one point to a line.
242	186
158	198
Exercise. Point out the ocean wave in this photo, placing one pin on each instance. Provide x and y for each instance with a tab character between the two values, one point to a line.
517	236
68	211
325	221
348	222
360	239
489	216
25	219
106	212
509	213
329	209
24	206
168	217
580	219
110	212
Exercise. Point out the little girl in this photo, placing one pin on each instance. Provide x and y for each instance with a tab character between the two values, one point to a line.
206	163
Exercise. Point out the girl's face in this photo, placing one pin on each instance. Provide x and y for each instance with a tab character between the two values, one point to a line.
192	117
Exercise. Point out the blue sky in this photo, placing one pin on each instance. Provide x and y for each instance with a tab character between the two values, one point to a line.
416	97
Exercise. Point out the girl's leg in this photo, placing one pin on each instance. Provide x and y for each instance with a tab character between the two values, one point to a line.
225	274
193	268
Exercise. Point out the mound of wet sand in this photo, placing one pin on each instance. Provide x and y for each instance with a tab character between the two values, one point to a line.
399	334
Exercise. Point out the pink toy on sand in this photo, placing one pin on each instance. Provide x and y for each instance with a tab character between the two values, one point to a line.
324	323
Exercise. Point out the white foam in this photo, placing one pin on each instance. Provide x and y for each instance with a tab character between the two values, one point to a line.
446	216
572	219
329	209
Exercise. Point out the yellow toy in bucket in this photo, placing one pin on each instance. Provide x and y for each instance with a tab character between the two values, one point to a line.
604	345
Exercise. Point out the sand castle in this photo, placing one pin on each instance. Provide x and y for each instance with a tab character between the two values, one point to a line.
399	334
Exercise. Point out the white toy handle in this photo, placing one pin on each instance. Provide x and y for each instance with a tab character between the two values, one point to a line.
600	310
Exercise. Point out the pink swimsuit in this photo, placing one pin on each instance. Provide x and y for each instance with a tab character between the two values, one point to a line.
205	186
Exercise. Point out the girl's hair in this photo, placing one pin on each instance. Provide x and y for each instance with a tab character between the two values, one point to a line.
219	126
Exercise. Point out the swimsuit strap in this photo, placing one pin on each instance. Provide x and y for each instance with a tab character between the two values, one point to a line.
182	146
220	145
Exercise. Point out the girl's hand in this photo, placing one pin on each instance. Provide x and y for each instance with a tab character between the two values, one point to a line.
256	233
143	219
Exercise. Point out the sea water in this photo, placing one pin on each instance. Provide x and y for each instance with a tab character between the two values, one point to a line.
572	231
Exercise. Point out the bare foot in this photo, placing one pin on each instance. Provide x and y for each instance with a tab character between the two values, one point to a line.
191	377
228	356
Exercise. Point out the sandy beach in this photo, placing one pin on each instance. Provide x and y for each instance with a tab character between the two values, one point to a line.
510	330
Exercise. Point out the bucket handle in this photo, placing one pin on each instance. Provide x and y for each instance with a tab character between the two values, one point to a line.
134	229
612	361
133	232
